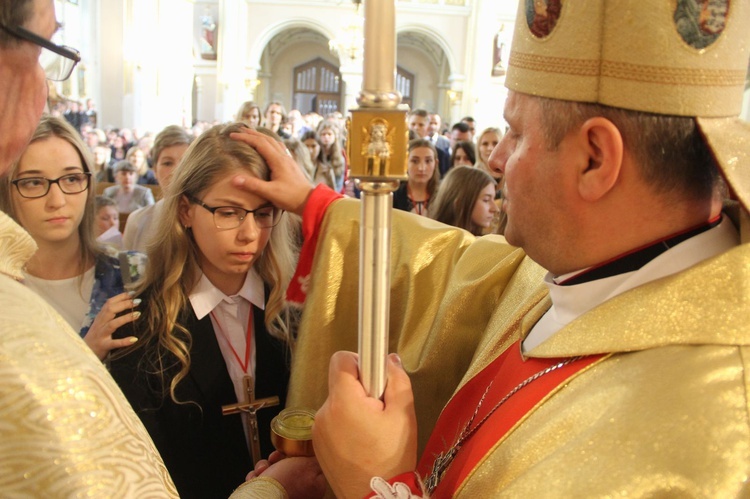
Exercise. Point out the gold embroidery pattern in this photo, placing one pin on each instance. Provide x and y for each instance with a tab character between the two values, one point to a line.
672	76
555	64
627	71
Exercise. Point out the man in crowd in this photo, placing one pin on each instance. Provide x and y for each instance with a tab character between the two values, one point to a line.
469	121
433	132
460	132
605	353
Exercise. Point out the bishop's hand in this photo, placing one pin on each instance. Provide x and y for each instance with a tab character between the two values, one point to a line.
357	437
288	188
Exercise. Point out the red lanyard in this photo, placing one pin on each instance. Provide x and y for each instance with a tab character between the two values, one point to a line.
248	338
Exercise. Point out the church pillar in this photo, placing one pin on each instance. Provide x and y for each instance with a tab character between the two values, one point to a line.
232	58
455	97
351	75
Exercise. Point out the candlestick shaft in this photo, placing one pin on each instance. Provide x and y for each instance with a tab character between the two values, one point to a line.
380	46
374	284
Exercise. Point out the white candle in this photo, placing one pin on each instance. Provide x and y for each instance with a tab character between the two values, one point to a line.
380	45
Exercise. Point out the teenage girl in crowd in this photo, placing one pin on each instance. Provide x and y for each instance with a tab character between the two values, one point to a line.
466	199
488	139
249	114
464	154
213	315
322	172
103	164
137	158
416	194
169	147
48	192
332	151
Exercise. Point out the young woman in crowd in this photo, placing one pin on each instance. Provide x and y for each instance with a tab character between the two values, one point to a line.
48	192
322	172
273	116
128	195
464	154
169	147
466	199
488	139
416	194
102	166
214	317
137	158
119	147
332	151
249	114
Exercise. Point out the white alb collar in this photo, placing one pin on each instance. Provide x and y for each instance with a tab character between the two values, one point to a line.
570	302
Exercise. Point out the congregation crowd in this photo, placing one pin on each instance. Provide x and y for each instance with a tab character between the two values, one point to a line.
133	167
569	307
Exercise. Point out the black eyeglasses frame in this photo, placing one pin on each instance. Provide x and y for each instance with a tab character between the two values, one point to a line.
62	50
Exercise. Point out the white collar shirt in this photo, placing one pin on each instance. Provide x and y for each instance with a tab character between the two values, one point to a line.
233	314
571	302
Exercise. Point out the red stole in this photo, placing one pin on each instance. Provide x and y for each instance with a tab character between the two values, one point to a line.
506	372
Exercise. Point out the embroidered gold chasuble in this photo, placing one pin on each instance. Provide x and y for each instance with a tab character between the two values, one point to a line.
66	430
666	414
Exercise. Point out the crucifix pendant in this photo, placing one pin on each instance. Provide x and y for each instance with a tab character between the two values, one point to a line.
250	407
439	467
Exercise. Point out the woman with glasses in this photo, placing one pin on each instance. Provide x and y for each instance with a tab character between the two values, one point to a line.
214	318
47	191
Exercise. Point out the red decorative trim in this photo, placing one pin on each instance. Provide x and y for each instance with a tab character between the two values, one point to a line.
312	218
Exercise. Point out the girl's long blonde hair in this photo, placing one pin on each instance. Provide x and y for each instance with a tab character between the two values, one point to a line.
173	268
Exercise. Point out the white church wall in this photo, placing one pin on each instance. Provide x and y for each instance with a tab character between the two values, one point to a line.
426	79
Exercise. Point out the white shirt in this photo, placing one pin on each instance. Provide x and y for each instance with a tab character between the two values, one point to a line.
69	297
570	302
233	313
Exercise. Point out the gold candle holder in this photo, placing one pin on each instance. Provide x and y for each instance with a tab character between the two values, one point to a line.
291	432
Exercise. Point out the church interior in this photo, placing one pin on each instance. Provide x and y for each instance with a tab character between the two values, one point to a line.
150	63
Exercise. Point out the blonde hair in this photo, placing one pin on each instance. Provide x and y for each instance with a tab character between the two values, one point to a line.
172	135
301	155
245	109
174	255
480	163
144	165
50	126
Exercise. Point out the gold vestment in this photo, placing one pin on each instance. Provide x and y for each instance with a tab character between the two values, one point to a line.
667	414
66	429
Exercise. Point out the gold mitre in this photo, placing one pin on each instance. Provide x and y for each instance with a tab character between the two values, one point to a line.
674	57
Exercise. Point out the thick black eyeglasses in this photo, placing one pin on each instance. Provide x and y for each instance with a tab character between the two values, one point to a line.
38	187
57	61
231	217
